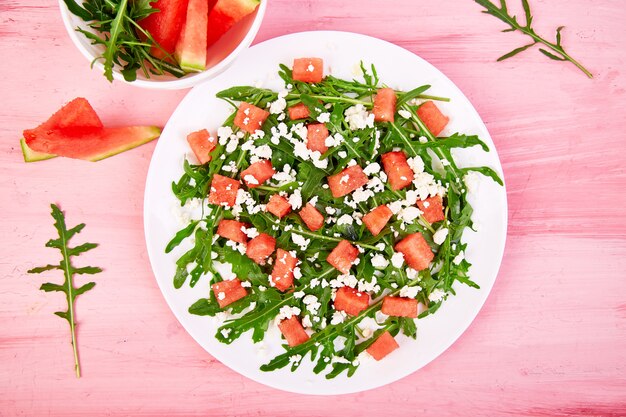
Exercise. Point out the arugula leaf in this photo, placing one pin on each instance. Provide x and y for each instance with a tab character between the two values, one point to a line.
502	13
71	292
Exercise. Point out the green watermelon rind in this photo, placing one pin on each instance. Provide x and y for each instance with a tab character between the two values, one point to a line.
33	156
152	133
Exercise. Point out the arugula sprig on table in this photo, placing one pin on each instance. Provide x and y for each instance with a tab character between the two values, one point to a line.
259	308
502	13
68	288
125	42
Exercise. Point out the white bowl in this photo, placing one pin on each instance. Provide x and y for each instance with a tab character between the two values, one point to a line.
221	55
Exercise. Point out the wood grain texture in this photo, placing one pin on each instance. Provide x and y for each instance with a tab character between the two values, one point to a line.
551	339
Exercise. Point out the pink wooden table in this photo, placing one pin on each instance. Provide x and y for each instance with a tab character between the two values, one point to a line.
551	339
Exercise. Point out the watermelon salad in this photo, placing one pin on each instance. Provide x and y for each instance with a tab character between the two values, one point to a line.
336	207
158	36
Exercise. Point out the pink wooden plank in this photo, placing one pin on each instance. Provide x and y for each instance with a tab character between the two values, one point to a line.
551	339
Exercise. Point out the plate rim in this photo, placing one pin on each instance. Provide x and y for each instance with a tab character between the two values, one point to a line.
455	335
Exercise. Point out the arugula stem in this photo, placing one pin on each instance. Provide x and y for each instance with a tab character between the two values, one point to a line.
329	238
70	299
333	99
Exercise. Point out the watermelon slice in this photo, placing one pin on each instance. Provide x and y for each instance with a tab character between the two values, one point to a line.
225	14
76	113
165	25
88	143
191	46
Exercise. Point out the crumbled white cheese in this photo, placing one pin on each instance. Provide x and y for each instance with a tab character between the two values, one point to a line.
338	317
324	117
295	199
345	219
358	117
410	292
409	214
416	163
440	236
372	168
300	241
278	106
379	261
397	259
287	311
250	179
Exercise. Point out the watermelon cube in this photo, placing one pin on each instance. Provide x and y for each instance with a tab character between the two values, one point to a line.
308	70
223	190
257	173
377	219
399	306
260	248
249	117
165	25
432	207
282	274
417	253
278	205
385	105
432	117
351	301
347	181
398	171
316	137
343	256
298	111
293	331
202	144
382	346
233	230
311	216
227	292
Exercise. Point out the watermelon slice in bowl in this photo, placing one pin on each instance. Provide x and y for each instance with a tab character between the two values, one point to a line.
220	55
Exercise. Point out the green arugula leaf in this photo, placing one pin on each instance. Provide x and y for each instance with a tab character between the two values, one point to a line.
502	13
68	288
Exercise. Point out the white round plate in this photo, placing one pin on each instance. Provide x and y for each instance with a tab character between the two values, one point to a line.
342	53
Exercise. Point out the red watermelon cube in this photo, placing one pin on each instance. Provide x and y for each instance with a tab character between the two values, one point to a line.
223	190
399	306
398	171
298	111
385	105
278	205
312	217
343	256
383	346
233	230
227	292
257	173
432	208
377	219
316	137
260	248
202	144
282	274
308	70
250	118
347	181
293	331
351	301
432	117
417	253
